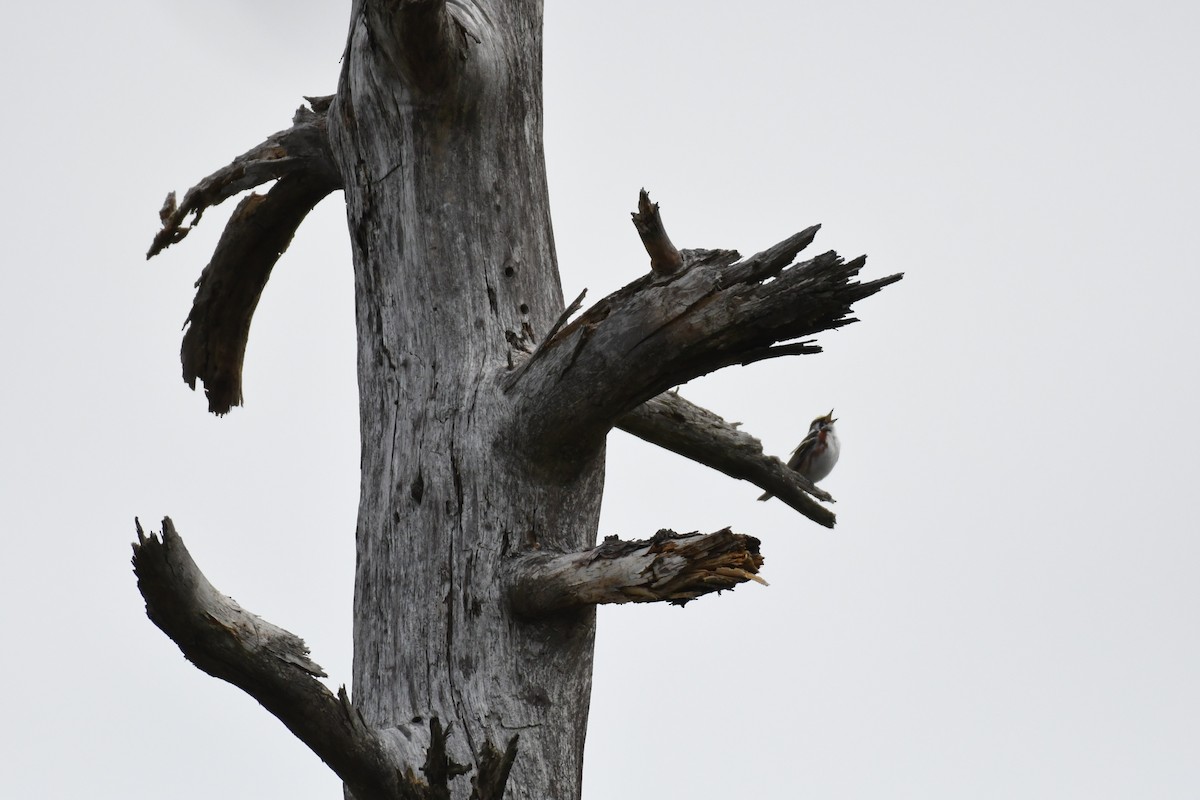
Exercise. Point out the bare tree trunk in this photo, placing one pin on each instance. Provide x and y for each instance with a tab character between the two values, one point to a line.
484	411
454	258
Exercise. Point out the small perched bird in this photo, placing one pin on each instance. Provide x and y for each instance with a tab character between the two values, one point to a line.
815	456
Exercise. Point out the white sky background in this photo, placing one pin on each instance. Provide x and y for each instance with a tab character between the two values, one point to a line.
1009	606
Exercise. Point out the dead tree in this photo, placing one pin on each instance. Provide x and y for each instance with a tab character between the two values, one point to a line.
484	410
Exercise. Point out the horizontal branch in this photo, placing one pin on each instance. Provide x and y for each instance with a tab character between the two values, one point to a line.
693	432
267	662
661	331
669	567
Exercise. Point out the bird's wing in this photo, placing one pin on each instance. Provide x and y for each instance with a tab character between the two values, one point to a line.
802	449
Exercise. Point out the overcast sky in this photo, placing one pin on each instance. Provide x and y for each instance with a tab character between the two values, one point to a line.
1009	606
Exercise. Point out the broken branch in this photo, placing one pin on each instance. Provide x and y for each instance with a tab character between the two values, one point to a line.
267	662
665	259
273	666
671	567
661	331
257	234
302	148
227	293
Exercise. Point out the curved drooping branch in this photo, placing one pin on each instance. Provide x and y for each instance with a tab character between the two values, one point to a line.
218	326
673	423
273	666
670	566
257	234
661	331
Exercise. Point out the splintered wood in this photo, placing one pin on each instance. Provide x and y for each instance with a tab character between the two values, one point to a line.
669	567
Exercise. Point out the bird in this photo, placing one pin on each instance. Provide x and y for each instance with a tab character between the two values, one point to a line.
815	456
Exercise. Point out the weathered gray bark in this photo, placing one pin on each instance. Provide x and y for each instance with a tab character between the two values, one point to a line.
449	217
674	424
257	234
670	566
484	411
271	664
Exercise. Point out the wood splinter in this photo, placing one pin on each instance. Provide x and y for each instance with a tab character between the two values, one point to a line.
665	259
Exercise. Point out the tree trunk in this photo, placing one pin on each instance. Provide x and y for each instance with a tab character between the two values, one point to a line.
484	410
454	259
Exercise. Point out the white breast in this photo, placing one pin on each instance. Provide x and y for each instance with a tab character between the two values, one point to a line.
822	463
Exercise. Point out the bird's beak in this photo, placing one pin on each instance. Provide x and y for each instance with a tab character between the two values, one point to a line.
829	417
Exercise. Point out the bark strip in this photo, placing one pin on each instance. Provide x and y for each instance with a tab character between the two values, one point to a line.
671	567
675	424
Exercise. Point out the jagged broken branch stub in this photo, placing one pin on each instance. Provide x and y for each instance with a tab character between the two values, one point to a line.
665	258
670	567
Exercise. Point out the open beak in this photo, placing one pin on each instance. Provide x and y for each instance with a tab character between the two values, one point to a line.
829	420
